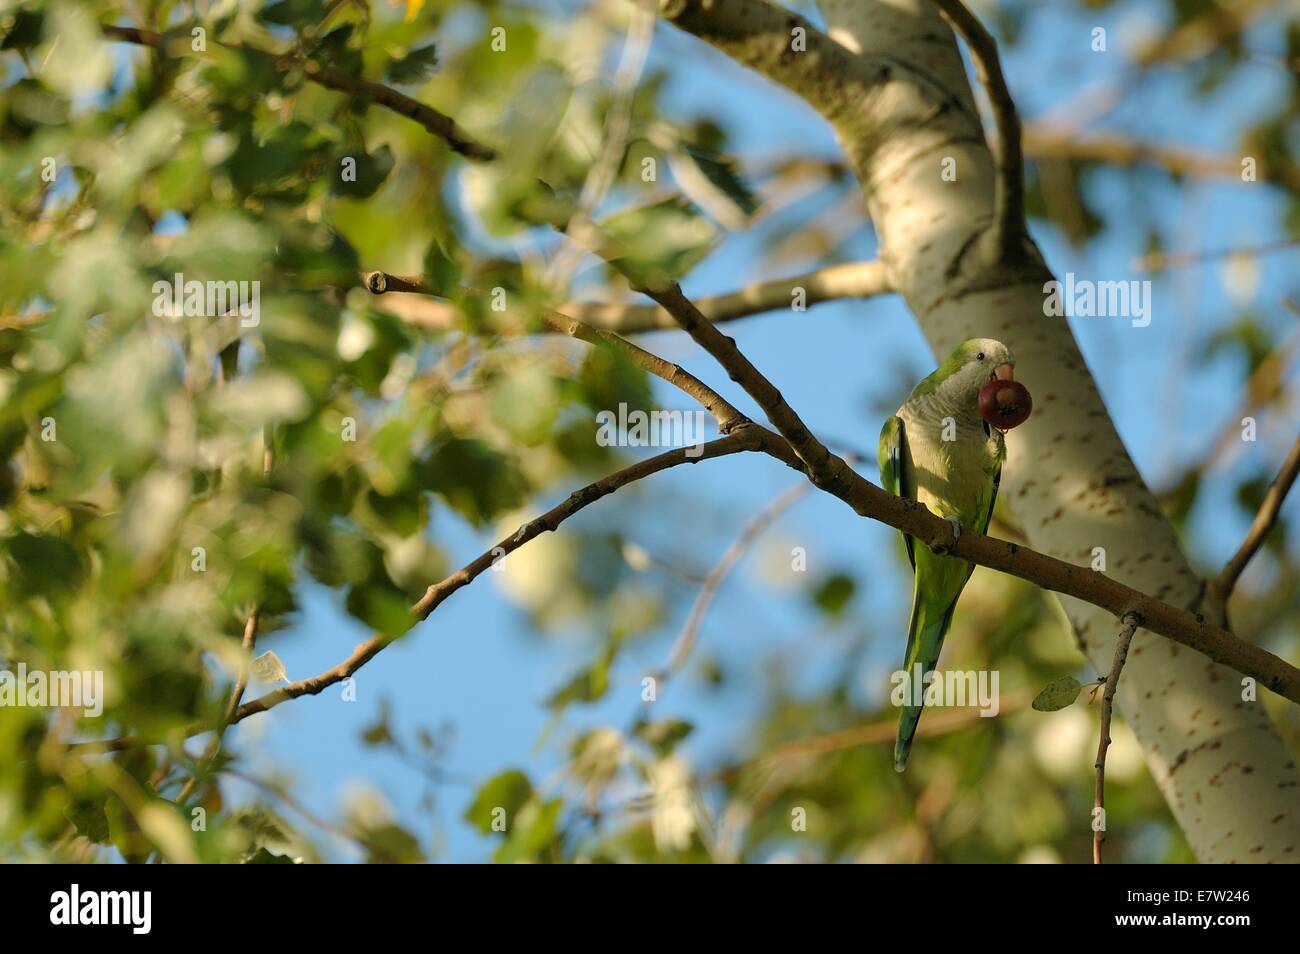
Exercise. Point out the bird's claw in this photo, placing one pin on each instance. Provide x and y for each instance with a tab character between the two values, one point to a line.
956	534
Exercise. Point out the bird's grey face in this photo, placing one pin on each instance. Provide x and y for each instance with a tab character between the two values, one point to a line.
978	360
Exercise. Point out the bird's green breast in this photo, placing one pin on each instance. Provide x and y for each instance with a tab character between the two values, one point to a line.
952	477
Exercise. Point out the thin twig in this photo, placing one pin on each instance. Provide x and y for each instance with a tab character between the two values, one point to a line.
298	808
825	469
618	123
1223	584
1131	623
1009	187
685	642
1161	260
876	732
1042	141
746	439
437	123
247	644
1047	138
1262	387
727	416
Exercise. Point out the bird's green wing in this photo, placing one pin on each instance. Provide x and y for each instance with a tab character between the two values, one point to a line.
990	498
891	455
939	582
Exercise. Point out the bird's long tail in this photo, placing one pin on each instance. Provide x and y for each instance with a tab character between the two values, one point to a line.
925	633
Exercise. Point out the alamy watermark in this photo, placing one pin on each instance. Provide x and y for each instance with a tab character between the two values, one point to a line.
195	299
1084	298
59	689
638	428
951	687
75	906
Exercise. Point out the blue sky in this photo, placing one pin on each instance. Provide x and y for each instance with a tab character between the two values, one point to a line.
476	664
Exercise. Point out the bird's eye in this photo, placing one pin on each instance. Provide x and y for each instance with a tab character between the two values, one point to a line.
980	356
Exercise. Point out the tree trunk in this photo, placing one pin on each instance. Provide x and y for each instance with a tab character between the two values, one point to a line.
899	109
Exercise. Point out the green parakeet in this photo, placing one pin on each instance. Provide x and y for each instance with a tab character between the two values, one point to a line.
939	450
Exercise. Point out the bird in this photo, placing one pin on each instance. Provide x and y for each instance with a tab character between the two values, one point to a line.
941	450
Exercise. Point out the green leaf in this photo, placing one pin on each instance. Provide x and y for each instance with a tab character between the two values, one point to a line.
608	378
403	512
510	791
264	857
294	13
24	32
834	593
335	51
74	59
378	733
316	256
441	269
366	177
279	164
597	756
713	183
415	67
261	830
664	735
380	605
44	565
589	685
392	844
334	555
525	402
1057	694
413	563
660	243
90	819
475	480
533	831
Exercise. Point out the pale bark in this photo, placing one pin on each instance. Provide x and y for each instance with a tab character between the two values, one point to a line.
900	107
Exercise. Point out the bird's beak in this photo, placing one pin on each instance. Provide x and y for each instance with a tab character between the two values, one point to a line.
1003	372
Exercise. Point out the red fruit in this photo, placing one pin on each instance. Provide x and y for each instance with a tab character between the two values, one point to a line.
1005	404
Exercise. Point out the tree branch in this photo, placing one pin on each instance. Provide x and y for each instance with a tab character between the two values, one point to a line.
437	123
1221	586
1131	623
1046	142
825	469
852	280
832	474
1160	260
834	282
1045	139
1009	187
236	694
745	439
1201	34
727	416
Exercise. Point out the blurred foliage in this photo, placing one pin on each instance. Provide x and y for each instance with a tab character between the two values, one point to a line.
138	528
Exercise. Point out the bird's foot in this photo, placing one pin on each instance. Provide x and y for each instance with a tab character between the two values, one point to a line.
956	534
